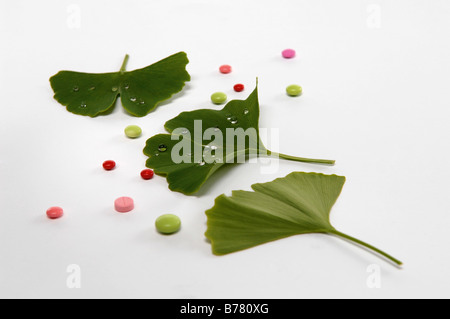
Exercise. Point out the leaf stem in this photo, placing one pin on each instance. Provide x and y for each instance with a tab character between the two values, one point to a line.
301	159
124	63
359	242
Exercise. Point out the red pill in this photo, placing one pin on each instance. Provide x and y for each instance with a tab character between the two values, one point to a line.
239	87
147	174
54	212
109	165
225	69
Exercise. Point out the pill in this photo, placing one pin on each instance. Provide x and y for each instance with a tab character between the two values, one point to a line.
288	53
109	165
294	90
133	131
225	69
218	97
124	204
147	173
239	87
168	224
54	212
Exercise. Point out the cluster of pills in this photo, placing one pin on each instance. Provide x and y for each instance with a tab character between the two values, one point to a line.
221	97
291	90
169	223
165	224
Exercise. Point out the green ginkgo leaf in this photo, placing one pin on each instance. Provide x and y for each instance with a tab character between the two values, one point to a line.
299	203
140	90
202	141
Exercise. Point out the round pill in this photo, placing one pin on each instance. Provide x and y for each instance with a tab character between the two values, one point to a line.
239	87
294	90
147	173
133	131
109	165
218	98
225	69
168	224
288	53
124	204
54	212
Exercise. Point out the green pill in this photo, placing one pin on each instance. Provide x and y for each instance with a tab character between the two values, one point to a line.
294	90
168	224
133	131
218	98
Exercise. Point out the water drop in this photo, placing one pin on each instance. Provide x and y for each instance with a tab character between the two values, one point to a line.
184	132
216	128
156	154
162	148
92	88
228	115
233	119
245	111
114	88
83	105
214	147
201	163
75	89
126	86
141	102
132	99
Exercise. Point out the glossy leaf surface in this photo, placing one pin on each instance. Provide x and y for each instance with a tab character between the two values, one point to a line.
140	90
212	145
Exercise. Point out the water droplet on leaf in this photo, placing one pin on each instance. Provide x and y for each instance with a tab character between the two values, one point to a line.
132	99
75	89
162	148
233	119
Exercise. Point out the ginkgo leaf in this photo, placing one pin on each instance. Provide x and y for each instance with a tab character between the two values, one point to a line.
140	90
299	203
202	141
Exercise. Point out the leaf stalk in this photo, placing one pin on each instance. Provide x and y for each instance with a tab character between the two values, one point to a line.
360	242
124	64
301	159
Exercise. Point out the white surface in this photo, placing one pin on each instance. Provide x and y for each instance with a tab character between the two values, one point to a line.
375	76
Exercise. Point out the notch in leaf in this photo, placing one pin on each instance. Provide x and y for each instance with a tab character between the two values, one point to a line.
210	139
299	203
140	90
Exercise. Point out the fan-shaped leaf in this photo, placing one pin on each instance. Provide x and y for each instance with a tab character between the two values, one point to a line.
211	140
140	90
299	203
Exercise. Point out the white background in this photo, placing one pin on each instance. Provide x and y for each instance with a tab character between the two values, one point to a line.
375	76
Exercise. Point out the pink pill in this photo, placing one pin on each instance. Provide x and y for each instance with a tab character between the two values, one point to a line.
124	204
288	53
225	69
54	212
